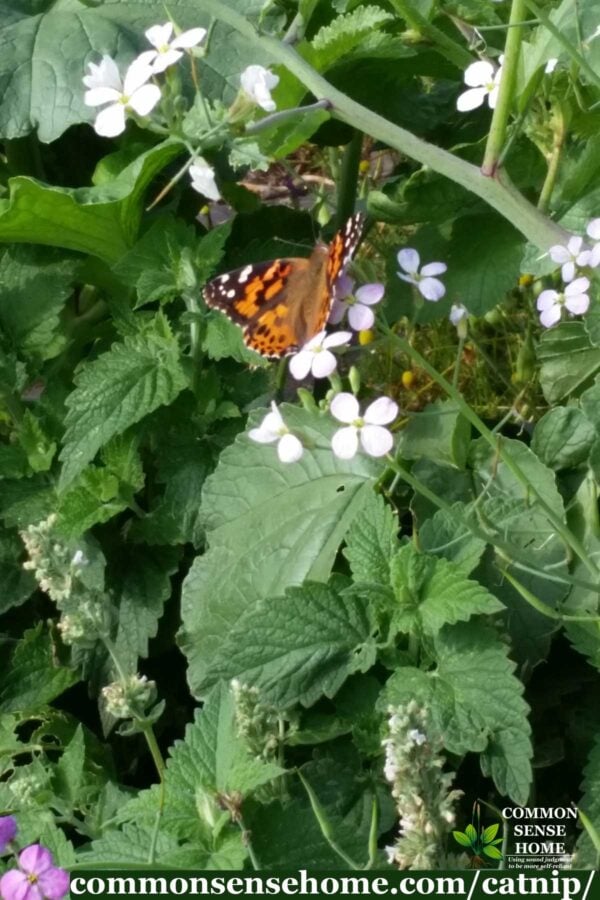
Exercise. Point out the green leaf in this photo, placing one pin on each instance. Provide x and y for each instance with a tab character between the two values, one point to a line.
223	339
475	703
587	851
461	838
298	647
439	433
563	437
271	526
432	592
484	261
371	541
567	360
122	459
17	584
38	447
340	37
129	846
444	535
34	678
118	389
100	220
590	404
36	282
91	499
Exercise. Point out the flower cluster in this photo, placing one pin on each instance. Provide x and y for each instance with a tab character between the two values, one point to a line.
129	698
572	257
256	723
53	565
35	876
413	766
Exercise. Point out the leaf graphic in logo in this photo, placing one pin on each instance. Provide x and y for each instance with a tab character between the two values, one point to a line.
492	852
461	838
490	833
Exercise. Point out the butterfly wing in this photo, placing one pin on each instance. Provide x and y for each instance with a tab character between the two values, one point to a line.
343	247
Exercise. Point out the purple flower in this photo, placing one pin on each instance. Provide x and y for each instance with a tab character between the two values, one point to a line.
36	878
8	830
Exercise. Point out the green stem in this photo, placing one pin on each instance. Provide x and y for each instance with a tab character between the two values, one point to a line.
553	164
348	179
456	373
453	51
512	50
191	302
283	115
373	833
324	824
565	42
498	192
540	607
567	536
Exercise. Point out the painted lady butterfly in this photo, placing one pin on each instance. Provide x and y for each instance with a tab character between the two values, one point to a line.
283	303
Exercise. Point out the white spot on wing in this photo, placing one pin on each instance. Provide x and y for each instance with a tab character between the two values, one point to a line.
231	293
245	274
224	279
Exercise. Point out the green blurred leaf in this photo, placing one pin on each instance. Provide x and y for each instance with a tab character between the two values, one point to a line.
371	541
563	437
34	677
444	535
439	433
568	360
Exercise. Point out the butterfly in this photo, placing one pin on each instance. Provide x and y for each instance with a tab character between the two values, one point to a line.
283	303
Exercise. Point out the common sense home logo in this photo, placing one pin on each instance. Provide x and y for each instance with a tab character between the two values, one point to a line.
483	843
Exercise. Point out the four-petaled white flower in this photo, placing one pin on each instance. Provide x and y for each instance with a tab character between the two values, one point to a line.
429	287
374	438
203	179
569	256
360	316
574	298
166	51
273	428
316	356
593	230
258	83
133	93
483	81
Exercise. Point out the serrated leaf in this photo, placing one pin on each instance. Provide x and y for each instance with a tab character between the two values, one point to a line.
340	37
91	499
39	448
432	592
587	853
119	388
17	584
563	437
371	541
223	339
471	711
270	526
439	433
299	647
34	678
129	846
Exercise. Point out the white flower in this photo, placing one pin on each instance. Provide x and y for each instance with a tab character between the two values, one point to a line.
429	287
593	229
258	83
375	440
133	94
458	312
203	179
551	65
574	298
483	82
273	428
417	737
167	51
316	356
360	316
570	256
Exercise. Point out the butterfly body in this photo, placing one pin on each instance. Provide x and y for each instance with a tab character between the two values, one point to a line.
283	303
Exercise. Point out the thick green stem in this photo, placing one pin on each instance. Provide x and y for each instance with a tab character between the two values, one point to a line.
498	192
512	50
452	50
349	179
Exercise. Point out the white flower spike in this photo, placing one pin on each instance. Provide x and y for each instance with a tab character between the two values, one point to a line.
203	179
574	298
429	287
166	51
316	356
134	93
375	440
360	315
570	256
273	428
483	82
258	83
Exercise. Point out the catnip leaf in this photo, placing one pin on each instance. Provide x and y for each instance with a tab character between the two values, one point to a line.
371	541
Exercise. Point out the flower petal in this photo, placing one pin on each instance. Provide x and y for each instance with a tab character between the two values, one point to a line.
338	311
458	312
54	883
145	99
551	315
323	364
289	449
344	443
375	440
579	286
574	244
35	859
593	228
594	258
547	299
407	278
336	339
434	268
166	59
148	57
360	317
409	260
567	271
578	304
493	97
559	254
300	364
136	75
99	95
470	99
203	179
344	407
370	294
159	35
14	885
261	435
190	38
343	286
315	342
381	412
111	121
479	73
432	289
